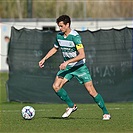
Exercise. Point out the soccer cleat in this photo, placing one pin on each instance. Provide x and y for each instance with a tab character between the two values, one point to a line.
106	117
69	111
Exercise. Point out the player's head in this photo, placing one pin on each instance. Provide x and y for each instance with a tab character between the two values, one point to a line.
65	19
63	22
7	39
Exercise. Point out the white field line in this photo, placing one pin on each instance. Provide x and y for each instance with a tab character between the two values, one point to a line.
49	110
14	111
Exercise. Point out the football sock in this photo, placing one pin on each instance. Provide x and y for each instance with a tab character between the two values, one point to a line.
100	102
63	96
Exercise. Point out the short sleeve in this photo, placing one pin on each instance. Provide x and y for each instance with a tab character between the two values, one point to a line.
77	39
56	44
78	42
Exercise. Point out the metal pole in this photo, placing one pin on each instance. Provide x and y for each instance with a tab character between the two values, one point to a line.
84	9
29	8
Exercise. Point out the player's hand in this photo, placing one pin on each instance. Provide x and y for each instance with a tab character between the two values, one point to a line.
41	63
63	65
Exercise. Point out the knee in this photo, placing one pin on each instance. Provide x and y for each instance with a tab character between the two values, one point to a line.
91	90
92	93
56	87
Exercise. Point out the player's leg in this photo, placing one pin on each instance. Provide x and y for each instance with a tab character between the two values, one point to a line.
98	99
84	77
57	86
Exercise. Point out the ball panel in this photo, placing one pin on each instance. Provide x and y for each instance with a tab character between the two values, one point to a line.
28	112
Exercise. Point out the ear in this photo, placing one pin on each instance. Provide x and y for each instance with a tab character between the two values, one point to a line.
68	25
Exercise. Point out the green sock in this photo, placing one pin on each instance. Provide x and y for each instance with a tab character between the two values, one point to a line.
63	96
99	100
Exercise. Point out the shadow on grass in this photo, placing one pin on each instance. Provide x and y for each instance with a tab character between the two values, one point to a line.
69	118
59	118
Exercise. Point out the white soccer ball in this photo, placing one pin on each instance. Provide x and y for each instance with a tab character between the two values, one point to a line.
28	112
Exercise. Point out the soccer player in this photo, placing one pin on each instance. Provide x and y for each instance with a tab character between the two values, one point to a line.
73	66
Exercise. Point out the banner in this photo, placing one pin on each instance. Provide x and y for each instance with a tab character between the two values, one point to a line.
108	57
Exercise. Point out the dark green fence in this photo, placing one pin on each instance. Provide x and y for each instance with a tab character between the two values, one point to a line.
108	56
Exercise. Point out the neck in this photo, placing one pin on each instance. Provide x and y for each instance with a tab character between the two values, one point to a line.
67	32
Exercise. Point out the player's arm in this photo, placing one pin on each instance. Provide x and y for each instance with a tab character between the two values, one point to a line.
48	55
80	56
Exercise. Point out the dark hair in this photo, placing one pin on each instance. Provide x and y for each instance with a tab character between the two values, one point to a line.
6	37
65	18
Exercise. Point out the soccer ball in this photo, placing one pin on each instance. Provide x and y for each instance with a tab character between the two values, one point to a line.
28	112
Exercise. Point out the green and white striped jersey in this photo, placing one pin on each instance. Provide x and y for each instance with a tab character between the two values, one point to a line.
69	46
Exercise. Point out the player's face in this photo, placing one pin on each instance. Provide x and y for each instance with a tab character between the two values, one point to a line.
7	40
63	27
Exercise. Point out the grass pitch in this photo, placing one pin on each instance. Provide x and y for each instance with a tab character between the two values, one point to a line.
87	119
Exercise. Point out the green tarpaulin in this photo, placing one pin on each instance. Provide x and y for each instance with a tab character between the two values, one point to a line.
108	56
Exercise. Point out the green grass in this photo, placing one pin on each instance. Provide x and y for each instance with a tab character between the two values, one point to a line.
88	117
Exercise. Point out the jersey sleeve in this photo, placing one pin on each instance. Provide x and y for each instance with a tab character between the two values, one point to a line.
56	44
78	42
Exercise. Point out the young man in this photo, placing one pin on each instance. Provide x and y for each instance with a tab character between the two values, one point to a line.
74	65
